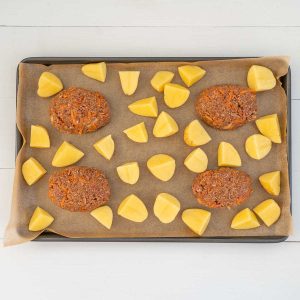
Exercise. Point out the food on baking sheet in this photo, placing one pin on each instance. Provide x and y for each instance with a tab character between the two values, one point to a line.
129	81
191	74
175	95
146	107
268	211
105	147
39	137
137	133
260	78
103	215
258	146
223	187
162	166
269	127
165	125
129	172
196	161
48	85
226	106
166	207
196	219
40	220
271	182
160	79
133	209
79	189
95	71
195	134
66	155
228	156
245	219
77	111
32	171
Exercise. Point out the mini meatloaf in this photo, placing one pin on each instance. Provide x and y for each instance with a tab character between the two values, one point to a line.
224	187
226	106
79	189
78	111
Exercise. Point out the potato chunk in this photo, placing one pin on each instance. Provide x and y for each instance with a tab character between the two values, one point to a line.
95	71
228	156
245	219
258	146
129	81
165	126
133	209
162	166
269	127
175	95
271	182
196	161
166	207
145	107
66	155
160	79
103	215
129	172
191	74
105	147
49	85
195	134
260	78
32	171
39	137
269	211
40	220
196	219
137	133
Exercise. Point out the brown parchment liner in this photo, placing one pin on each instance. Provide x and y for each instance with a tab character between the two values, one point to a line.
32	109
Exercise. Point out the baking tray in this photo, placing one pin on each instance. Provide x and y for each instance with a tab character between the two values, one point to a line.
52	237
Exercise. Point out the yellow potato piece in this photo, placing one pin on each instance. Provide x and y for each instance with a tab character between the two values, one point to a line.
39	137
162	166
129	172
271	182
175	95
191	74
133	209
166	207
269	211
228	156
105	147
66	155
260	78
103	215
269	127
196	219
129	81
49	85
245	219
160	79
145	107
196	161
165	125
195	134
95	71
137	133
32	171
258	146
40	220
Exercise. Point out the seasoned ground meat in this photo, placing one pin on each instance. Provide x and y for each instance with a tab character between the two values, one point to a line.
224	187
78	111
79	189
226	106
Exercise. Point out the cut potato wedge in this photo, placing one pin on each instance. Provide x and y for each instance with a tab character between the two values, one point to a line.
196	161
191	74
269	211
258	146
260	78
196	219
39	137
105	147
129	81
195	134
175	95
162	166
271	182
245	219
164	126
32	171
228	156
160	79
95	71
40	220
137	133
129	172
104	215
49	85
145	107
269	127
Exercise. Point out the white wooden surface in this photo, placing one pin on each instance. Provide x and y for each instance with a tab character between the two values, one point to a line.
146	28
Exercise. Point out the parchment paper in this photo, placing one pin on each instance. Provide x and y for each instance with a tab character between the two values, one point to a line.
32	109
